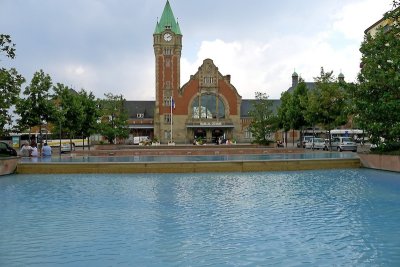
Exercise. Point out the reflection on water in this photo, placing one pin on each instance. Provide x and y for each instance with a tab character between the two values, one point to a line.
200	158
308	218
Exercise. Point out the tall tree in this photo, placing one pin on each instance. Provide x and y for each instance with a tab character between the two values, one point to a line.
377	96
291	111
114	123
10	84
264	121
284	119
298	106
91	113
37	107
71	108
327	104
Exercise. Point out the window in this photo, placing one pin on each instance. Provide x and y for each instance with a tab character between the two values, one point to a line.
248	134
167	101
168	51
209	80
208	106
140	115
168	85
167	135
167	63
167	118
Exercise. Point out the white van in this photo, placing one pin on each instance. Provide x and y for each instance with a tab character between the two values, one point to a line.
306	138
343	144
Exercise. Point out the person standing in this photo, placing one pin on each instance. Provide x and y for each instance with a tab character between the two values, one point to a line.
34	152
46	151
26	150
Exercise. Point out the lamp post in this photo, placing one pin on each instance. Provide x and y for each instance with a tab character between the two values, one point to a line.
113	127
60	118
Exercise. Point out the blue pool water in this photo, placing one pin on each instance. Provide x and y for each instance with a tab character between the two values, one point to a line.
308	218
200	158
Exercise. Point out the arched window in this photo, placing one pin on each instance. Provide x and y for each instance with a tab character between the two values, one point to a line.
208	106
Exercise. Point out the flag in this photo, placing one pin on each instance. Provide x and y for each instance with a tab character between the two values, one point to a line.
172	103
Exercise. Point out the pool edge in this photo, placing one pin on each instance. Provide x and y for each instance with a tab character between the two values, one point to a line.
186	167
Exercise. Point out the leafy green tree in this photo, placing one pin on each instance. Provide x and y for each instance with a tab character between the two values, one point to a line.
291	111
37	107
333	104
10	84
377	96
114	123
7	46
284	120
91	113
327	104
298	106
264	121
70	108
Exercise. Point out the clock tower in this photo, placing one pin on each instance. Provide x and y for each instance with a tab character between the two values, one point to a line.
167	43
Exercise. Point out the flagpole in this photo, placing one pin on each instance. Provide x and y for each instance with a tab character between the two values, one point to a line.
171	117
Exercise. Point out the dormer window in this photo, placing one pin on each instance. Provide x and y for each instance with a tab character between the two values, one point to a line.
167	27
209	80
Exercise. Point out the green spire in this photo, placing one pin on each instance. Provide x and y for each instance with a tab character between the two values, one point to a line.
167	21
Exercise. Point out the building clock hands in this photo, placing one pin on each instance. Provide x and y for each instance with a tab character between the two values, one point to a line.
167	37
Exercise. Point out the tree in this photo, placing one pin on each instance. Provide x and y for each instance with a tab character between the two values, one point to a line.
298	105
10	84
327	104
37	108
377	94
70	109
7	46
114	117
284	119
91	113
290	113
264	122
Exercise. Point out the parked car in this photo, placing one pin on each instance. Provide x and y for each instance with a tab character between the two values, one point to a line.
304	141
343	144
68	147
315	143
7	150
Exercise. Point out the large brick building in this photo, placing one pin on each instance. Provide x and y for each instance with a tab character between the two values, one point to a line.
207	106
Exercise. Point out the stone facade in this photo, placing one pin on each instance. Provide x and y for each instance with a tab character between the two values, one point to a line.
206	108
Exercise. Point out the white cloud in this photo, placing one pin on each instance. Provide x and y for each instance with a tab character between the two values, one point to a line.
354	18
132	78
79	70
267	67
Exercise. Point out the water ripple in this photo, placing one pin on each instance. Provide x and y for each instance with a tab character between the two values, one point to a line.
311	218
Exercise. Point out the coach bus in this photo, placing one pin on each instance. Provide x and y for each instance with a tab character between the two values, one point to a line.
51	139
356	134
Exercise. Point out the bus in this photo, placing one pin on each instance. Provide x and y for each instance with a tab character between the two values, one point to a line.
51	139
356	134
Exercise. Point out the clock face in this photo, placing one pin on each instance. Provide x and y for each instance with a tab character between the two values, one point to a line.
167	37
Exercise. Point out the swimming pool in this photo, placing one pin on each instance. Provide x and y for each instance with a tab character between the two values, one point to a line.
308	218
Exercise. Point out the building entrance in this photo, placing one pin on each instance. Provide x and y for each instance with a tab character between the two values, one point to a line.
217	136
200	134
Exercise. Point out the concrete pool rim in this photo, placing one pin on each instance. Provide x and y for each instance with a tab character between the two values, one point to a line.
187	167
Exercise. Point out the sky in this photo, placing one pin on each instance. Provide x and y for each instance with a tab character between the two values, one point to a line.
107	45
